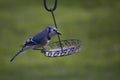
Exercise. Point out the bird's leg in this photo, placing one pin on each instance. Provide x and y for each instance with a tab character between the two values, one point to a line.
43	50
36	49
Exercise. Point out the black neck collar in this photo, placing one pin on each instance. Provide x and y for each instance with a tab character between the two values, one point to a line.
49	37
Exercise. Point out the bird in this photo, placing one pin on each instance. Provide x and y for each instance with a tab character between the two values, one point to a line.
39	41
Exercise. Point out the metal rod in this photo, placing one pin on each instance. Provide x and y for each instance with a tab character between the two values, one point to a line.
57	28
54	20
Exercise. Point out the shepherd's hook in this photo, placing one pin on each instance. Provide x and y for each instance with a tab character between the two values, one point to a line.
51	10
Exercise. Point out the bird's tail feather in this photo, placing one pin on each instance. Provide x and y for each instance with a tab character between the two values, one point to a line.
16	54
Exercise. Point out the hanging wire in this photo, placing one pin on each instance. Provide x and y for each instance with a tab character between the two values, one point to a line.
54	20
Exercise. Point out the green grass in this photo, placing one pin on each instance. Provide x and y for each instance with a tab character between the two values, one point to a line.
97	26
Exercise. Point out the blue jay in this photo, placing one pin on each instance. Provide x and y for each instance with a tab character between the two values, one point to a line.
39	41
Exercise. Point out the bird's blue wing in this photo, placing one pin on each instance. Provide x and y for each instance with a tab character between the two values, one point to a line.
30	42
39	38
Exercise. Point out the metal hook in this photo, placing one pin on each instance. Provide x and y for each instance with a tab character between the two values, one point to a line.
50	9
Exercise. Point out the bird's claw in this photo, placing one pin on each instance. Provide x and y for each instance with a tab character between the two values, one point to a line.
43	50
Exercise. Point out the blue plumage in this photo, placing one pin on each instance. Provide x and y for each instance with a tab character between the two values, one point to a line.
40	40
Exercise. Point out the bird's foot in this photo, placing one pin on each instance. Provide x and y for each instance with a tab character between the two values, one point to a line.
43	50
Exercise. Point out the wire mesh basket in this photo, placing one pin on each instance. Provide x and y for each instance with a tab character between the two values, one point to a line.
69	47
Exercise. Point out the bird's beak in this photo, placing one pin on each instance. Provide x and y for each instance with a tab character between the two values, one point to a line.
58	33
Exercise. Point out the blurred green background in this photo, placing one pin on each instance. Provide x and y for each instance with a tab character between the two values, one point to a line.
95	22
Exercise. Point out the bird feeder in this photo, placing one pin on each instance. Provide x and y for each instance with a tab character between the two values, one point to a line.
60	47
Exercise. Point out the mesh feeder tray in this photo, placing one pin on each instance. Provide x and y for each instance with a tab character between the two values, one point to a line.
60	48
69	47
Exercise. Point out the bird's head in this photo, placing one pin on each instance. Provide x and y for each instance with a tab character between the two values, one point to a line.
52	31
